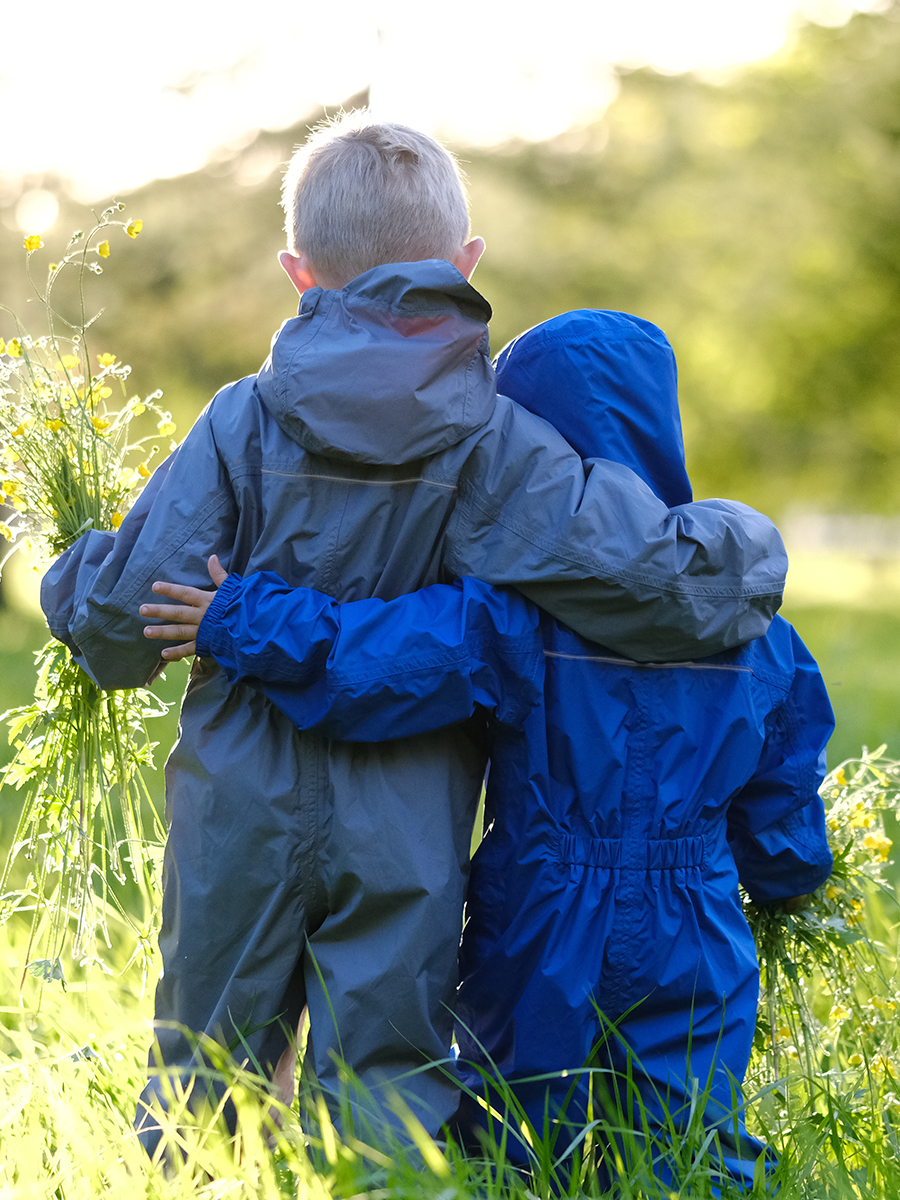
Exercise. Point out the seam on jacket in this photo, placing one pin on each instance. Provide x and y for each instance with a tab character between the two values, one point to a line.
450	487
653	666
604	570
329	558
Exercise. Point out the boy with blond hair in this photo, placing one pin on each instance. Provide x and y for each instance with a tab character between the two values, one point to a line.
370	456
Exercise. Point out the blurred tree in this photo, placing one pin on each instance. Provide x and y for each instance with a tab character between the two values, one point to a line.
757	219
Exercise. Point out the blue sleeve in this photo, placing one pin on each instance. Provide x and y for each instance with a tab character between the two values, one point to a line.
372	670
776	823
92	594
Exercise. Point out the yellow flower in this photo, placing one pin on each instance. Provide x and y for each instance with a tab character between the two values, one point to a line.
839	1013
103	249
115	520
144	471
137	407
33	242
783	1032
880	846
166	427
133	228
106	360
99	424
881	1065
10	486
19	430
104	392
55	425
882	1003
14	348
6	532
855	1060
2	346
860	817
831	892
53	267
841	778
69	362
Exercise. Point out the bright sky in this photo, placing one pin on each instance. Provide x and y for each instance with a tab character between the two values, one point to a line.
112	96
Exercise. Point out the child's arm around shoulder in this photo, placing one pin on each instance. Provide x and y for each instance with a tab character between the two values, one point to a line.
593	545
368	670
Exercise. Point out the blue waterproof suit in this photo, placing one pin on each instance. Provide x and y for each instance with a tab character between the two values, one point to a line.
625	801
370	456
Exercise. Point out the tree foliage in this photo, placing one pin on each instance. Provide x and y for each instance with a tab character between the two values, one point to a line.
757	220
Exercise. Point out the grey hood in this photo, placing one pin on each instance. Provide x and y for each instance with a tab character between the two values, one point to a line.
393	367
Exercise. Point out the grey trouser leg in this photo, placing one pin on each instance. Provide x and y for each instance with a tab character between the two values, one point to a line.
239	879
366	853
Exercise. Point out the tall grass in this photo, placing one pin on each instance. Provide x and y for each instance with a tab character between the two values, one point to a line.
822	1090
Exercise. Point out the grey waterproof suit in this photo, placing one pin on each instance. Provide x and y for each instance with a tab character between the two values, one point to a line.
369	457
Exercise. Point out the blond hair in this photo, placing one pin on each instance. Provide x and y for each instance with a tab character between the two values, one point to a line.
359	194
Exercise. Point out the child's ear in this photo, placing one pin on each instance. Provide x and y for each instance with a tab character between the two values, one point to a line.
467	259
298	270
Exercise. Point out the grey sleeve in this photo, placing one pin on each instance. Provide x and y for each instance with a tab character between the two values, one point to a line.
92	594
593	545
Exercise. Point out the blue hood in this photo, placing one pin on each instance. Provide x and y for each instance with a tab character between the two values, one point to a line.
393	367
608	382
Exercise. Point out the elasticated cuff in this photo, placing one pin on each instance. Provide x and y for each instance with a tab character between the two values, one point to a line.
216	611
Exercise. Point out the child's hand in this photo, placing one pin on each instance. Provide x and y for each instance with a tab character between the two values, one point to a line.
189	614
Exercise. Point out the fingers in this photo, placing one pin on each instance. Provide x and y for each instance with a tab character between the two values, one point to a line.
179	591
188	615
177	653
174	612
171	633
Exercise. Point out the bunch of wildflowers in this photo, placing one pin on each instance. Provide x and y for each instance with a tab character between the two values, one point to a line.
69	462
830	994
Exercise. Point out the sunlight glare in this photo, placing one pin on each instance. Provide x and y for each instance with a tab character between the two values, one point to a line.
36	211
160	102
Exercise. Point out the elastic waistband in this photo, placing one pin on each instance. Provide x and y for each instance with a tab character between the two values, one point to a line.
653	854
